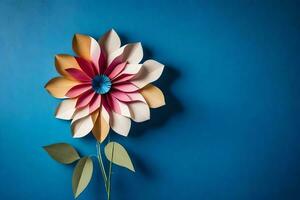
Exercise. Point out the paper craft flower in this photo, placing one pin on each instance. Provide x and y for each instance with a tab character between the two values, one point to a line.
105	86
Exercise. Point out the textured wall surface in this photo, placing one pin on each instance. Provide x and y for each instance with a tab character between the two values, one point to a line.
230	130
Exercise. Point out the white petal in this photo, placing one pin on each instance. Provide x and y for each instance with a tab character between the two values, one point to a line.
119	123
110	41
105	114
124	109
153	95
150	72
81	113
66	109
130	69
132	53
140	111
95	52
82	127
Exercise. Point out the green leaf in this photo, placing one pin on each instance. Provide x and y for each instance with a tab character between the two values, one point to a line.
82	175
119	154
62	152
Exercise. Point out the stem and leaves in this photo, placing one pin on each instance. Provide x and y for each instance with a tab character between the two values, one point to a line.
114	152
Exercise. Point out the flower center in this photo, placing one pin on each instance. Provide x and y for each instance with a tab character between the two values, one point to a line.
101	84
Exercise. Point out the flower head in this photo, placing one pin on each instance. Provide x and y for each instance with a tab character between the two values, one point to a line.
105	86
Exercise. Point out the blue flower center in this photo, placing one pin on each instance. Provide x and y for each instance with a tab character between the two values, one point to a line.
101	84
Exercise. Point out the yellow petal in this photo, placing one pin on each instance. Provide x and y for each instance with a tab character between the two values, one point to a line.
63	62
101	128
81	45
153	96
59	86
110	41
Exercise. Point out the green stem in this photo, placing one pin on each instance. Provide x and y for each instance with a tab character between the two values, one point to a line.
109	174
102	166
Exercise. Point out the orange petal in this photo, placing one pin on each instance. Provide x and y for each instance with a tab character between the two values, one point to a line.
87	48
63	62
101	128
59	86
81	46
153	96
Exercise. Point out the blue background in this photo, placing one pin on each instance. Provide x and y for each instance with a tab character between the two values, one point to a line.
230	129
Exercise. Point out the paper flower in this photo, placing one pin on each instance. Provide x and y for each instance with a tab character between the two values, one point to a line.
105	86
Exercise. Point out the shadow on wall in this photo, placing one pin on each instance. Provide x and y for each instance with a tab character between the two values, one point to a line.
159	117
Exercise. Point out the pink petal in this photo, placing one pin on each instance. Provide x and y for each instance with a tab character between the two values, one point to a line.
85	98
126	87
95	52
95	103
117	70
120	95
127	97
131	69
78	90
113	105
118	60
127	73
87	67
123	78
136	96
118	106
102	61
105	104
78	74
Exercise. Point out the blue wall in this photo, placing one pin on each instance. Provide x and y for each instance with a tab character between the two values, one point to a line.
230	130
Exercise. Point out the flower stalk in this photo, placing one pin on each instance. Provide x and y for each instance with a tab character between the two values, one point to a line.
106	180
99	157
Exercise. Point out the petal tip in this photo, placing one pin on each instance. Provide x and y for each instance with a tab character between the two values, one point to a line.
76	37
56	58
158	106
112	30
139	45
